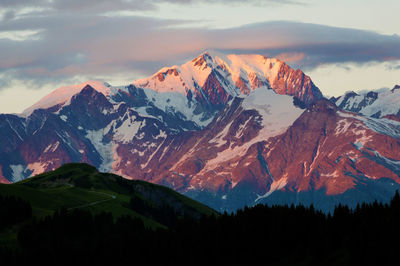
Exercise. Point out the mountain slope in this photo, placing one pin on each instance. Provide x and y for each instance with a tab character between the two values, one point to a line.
347	157
325	156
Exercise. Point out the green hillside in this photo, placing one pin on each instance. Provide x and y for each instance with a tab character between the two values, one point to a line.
77	185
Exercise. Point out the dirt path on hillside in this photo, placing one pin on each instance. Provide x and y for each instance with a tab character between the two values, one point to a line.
95	202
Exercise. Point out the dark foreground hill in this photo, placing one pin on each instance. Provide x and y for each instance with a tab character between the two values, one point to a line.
81	186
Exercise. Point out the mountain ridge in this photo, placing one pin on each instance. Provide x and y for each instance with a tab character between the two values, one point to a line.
227	151
228	75
377	104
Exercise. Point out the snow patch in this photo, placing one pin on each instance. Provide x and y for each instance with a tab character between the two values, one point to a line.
173	102
381	126
104	149
161	134
241	128
52	147
37	168
276	185
144	165
362	137
277	111
315	159
342	127
18	173
219	139
128	129
233	183
117	159
332	175
135	151
16	132
394	163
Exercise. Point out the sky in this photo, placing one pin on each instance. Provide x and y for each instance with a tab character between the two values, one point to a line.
45	44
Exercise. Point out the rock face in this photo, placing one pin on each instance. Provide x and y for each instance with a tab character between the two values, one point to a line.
228	130
326	156
329	152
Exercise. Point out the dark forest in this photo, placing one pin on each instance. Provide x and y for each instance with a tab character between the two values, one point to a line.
260	235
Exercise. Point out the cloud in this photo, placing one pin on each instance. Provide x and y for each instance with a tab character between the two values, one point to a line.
8	15
292	57
98	6
255	2
68	44
321	44
393	67
23	3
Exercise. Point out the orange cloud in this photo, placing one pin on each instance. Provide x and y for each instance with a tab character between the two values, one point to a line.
293	57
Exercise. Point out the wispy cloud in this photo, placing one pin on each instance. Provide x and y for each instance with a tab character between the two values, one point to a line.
49	46
95	6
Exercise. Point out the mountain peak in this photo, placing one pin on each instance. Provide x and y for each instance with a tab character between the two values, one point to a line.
202	58
64	94
232	75
396	87
88	89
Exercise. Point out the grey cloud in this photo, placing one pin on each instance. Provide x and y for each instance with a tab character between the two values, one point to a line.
257	2
23	3
393	67
321	44
8	15
96	6
72	44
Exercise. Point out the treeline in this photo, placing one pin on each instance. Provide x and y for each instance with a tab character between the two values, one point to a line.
261	235
13	211
164	214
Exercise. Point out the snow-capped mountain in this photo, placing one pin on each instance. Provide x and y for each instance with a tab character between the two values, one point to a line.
229	130
323	155
383	103
215	78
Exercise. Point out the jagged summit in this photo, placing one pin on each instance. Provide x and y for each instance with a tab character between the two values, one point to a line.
256	69
231	75
212	79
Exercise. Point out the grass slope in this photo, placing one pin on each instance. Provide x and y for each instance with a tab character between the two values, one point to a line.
77	185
